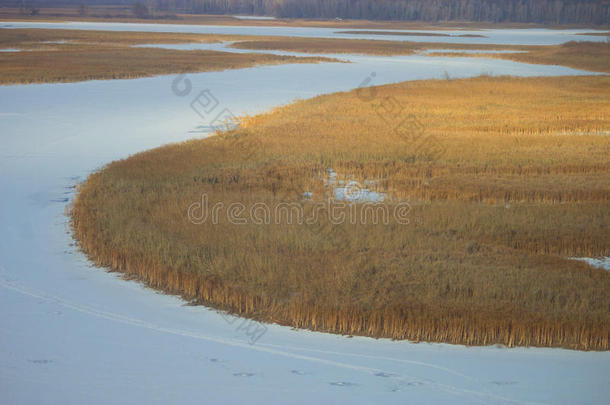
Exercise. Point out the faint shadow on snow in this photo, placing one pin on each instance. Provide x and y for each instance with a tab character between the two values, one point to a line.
243	374
385	375
41	361
343	384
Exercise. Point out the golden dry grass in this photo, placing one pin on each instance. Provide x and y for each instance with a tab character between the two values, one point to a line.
35	38
49	55
365	46
410	34
75	55
597	33
399	33
508	178
593	56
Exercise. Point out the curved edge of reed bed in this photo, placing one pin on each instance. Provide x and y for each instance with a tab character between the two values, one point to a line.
414	324
503	321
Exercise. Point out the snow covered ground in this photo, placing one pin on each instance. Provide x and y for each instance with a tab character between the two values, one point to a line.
71	333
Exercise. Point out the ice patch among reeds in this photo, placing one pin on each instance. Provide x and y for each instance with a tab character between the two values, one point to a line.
601	262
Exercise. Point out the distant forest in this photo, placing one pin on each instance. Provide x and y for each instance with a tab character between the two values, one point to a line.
534	11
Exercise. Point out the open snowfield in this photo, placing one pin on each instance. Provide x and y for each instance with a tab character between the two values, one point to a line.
71	333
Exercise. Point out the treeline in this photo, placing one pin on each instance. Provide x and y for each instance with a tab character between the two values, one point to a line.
532	11
537	11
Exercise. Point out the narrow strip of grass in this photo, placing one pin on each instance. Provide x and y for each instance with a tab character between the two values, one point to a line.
600	34
411	34
398	33
364	46
506	178
36	38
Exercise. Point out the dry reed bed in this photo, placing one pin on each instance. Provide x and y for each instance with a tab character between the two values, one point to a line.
71	55
32	38
87	55
364	46
593	56
483	270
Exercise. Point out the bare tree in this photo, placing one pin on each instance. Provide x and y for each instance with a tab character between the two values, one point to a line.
140	10
539	11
